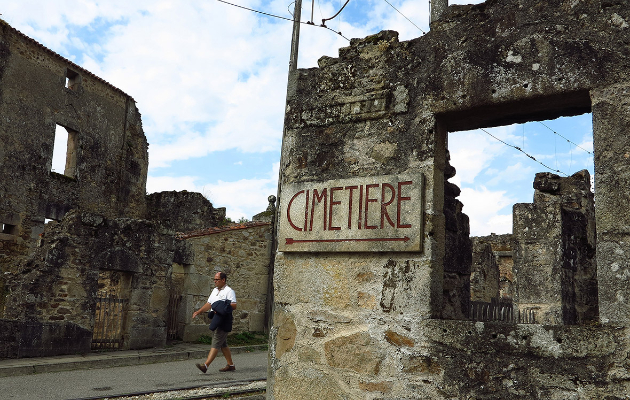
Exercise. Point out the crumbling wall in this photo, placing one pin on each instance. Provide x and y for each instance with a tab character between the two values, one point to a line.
611	124
106	163
59	282
183	211
458	252
484	275
358	324
501	264
242	252
555	250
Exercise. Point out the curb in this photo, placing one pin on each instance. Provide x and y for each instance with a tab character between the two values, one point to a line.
28	366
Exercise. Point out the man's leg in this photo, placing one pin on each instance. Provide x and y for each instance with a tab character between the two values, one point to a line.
217	340
228	357
227	354
211	356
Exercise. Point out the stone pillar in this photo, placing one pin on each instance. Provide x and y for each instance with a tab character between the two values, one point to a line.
437	8
554	253
611	139
351	285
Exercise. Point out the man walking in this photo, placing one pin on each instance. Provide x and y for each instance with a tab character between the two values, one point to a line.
222	301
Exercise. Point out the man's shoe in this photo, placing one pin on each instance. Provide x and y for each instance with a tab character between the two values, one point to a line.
228	368
202	367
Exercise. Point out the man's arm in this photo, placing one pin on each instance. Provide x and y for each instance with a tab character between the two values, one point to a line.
233	306
203	309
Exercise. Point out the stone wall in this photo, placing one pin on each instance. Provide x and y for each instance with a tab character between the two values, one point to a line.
611	124
105	236
106	160
362	324
555	250
458	252
242	251
484	275
60	281
183	211
497	265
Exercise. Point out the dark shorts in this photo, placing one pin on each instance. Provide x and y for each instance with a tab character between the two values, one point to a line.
219	339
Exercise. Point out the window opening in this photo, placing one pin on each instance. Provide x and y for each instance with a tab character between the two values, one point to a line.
495	168
8	229
493	174
64	151
72	80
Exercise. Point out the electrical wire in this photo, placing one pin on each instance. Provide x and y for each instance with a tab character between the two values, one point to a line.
277	16
521	150
341	9
405	16
556	133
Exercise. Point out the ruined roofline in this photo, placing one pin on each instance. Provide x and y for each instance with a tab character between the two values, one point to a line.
60	57
213	230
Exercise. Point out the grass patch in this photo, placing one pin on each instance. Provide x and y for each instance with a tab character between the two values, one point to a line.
239	339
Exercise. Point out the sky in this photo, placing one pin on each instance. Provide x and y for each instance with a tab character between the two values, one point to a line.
210	82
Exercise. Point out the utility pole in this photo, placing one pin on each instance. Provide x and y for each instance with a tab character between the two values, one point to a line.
293	59
295	40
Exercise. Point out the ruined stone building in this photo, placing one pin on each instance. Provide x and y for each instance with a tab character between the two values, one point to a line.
371	291
547	268
71	238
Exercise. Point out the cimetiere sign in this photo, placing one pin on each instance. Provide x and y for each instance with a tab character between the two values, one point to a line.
376	213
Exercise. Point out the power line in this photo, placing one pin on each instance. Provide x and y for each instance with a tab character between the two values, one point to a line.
521	150
333	17
556	133
277	16
405	16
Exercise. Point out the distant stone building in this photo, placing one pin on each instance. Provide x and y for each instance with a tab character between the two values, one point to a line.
547	267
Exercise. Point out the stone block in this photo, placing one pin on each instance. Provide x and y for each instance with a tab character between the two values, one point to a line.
286	332
358	352
398	340
257	322
613	274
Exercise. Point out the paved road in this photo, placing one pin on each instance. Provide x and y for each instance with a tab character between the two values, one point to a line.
114	381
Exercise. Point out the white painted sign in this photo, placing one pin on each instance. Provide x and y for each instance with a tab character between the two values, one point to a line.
382	213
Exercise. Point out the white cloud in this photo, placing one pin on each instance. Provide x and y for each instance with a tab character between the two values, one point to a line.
473	151
242	198
510	174
245	197
482	207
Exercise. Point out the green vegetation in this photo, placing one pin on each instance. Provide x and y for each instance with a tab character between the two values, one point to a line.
240	339
228	221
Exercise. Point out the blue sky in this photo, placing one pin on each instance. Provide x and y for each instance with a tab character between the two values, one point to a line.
210	82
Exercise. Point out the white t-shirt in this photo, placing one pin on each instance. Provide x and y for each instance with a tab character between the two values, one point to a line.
226	293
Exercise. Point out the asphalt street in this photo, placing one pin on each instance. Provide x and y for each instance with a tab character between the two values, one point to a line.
115	381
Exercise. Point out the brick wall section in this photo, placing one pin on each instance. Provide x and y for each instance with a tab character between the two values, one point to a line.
242	251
